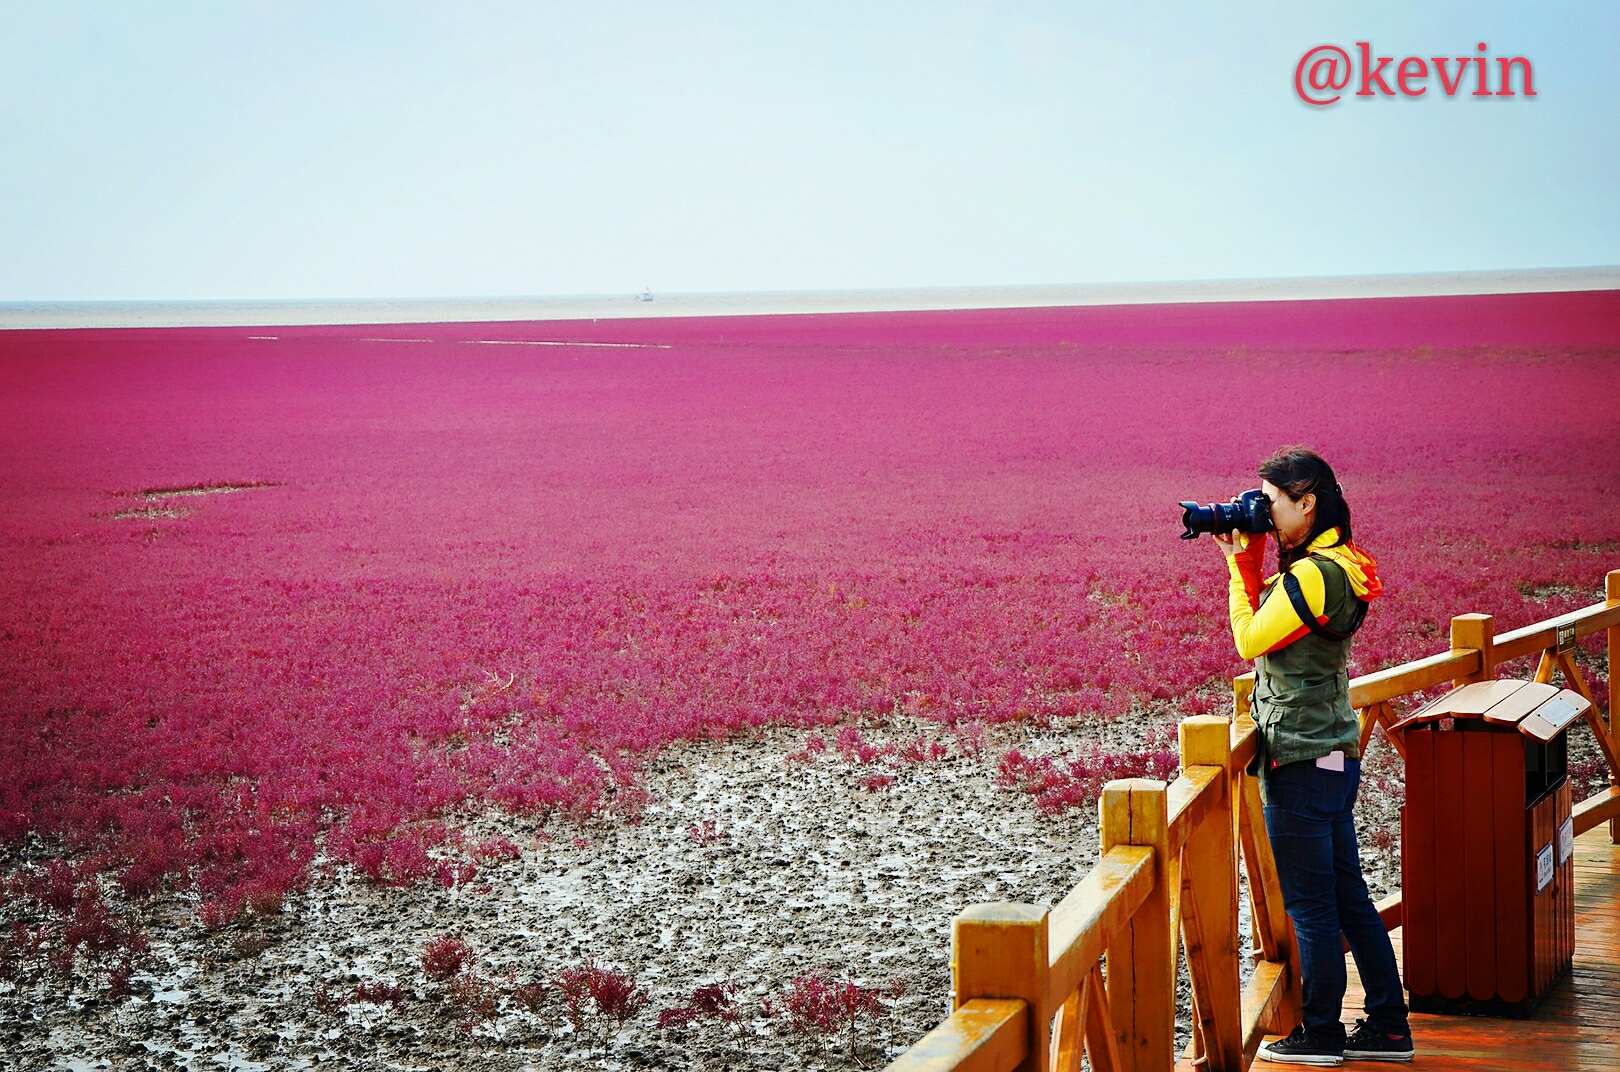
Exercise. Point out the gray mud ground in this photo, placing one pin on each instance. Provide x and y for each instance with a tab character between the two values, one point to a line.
799	870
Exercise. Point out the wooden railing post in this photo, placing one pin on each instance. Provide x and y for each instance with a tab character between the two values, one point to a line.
1209	910
1475	632
1242	703
1141	965
1271	929
1611	595
1000	951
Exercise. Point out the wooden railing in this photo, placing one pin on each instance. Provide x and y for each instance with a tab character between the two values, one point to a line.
1030	991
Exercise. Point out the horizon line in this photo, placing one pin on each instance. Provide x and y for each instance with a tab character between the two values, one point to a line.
295	312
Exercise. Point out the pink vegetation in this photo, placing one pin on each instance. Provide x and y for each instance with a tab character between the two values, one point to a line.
468	572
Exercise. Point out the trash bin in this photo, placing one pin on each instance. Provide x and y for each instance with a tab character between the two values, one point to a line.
1487	879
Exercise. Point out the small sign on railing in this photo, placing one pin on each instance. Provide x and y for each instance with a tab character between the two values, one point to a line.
1544	867
1566	638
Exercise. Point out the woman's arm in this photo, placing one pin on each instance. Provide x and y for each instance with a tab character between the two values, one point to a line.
1260	629
1246	555
1275	624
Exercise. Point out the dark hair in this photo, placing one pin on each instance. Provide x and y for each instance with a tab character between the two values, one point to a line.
1298	472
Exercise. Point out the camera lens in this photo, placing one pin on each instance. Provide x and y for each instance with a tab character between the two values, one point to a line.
1250	513
1196	519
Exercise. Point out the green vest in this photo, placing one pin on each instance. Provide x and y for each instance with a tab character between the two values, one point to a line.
1302	691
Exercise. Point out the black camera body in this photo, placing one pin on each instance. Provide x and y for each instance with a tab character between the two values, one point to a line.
1251	512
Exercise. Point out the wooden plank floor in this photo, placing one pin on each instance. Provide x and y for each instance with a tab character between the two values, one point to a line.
1577	1027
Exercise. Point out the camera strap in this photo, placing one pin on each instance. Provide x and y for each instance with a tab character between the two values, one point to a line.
1301	608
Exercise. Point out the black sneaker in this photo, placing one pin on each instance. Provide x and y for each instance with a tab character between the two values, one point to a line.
1365	1044
1300	1049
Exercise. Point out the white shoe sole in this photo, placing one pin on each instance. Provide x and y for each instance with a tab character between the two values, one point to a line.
1315	1060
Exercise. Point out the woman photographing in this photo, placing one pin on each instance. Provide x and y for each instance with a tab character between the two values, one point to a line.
1296	627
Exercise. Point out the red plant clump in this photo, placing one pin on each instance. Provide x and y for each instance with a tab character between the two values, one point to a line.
591	988
495	850
443	958
717	1001
810	1005
706	832
257	595
676	1018
1385	839
814	745
816	1005
532	995
856	749
378	993
1059	783
76	926
473	999
1588	776
326	1003
923	750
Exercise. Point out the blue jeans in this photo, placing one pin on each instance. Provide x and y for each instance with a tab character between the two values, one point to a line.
1313	835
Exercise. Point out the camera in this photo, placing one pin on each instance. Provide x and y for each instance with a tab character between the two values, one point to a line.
1250	513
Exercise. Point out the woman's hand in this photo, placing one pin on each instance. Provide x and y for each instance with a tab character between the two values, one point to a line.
1231	543
1250	545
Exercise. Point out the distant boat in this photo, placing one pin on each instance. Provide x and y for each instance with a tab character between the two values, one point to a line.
645	295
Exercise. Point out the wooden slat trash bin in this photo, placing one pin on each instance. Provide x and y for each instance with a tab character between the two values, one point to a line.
1487	879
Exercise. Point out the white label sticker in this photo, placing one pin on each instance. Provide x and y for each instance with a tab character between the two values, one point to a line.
1556	713
1566	841
1544	867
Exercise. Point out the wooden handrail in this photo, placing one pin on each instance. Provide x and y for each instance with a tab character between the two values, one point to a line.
1533	639
1596	810
1029	987
1083	923
985	1035
1191	798
1245	739
1397	681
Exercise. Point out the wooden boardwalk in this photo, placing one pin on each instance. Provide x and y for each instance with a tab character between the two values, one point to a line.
1576	1028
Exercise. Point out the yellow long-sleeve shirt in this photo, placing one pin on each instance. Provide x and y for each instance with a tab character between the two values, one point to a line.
1258	628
